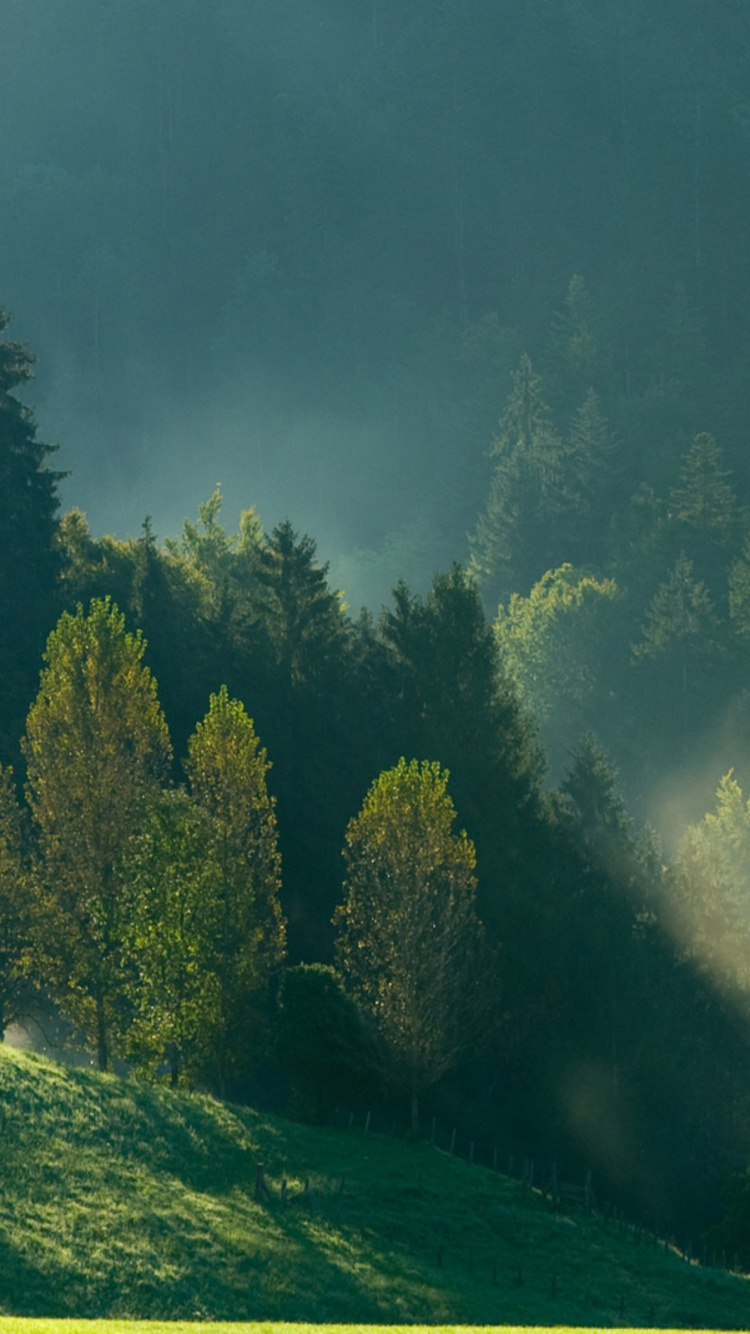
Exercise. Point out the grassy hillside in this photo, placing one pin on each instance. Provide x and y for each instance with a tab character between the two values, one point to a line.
118	1199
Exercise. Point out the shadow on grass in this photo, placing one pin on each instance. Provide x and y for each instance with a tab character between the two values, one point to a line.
25	1290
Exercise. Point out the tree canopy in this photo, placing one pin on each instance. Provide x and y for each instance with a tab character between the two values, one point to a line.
96	745
408	938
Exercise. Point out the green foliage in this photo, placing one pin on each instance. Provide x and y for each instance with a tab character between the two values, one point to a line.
409	941
227	769
172	938
739	592
553	644
731	1234
303	617
210	550
15	901
96	744
516	534
703	501
707	907
322	1039
442	683
162	593
681	615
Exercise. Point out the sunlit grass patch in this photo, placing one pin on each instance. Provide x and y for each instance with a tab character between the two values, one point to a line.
31	1325
123	1200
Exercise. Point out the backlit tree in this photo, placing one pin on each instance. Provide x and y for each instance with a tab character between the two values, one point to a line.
409	940
96	744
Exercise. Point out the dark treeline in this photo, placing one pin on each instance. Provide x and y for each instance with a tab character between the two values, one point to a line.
612	1037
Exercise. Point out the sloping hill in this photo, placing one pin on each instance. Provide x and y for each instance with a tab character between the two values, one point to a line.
120	1199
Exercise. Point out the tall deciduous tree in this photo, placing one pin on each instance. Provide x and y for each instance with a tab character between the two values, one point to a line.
227	768
96	743
553	643
409	940
173	936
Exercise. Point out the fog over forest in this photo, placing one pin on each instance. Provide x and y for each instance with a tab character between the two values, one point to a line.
461	292
298	248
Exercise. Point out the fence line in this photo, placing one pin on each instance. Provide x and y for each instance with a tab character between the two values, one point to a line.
543	1176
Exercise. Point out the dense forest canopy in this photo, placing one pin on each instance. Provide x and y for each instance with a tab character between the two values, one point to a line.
452	299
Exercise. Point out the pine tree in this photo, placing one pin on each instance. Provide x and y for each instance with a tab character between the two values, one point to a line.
589	473
442	691
681	613
703	509
679	637
577	358
29	562
518	535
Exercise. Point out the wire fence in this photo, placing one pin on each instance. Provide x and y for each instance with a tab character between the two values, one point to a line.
564	1187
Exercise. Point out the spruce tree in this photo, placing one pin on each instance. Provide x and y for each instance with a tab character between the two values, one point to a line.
703	509
29	562
517	537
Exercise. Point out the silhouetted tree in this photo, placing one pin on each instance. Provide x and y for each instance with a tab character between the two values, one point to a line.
29	561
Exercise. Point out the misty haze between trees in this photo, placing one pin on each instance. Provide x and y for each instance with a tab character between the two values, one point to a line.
499	263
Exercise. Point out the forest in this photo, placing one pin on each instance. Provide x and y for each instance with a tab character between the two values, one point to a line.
462	296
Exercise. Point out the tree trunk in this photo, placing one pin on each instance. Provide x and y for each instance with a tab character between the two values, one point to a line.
101	1033
414	1112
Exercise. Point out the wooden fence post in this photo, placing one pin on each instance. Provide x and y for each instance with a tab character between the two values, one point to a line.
261	1188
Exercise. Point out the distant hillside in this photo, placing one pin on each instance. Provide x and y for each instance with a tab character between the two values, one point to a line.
125	1200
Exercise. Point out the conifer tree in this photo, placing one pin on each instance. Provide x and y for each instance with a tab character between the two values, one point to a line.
518	534
703	508
681	613
679	635
577	358
29	562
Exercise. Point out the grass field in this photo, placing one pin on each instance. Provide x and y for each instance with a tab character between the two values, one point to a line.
122	1200
25	1325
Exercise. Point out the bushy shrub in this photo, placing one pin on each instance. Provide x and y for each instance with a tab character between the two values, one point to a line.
325	1043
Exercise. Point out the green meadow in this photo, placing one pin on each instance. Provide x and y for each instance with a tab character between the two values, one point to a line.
22	1325
124	1201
